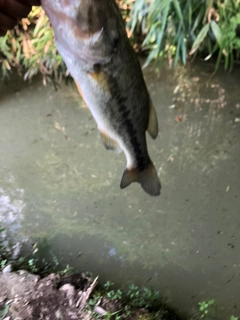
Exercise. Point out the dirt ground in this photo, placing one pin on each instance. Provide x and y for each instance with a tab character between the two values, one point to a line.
24	296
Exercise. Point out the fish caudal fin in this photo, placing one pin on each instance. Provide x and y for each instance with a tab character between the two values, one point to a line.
148	179
152	128
109	143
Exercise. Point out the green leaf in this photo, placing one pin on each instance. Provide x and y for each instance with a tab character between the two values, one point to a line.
183	49
178	10
216	31
4	311
151	56
177	55
213	51
211	302
201	36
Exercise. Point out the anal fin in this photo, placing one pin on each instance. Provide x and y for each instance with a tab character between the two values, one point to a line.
81	92
109	143
152	128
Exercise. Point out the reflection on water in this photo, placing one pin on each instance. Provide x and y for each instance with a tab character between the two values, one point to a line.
11	206
60	188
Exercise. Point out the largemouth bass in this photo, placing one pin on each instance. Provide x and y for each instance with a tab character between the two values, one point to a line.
91	38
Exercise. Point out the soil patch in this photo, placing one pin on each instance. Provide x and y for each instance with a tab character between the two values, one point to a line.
24	296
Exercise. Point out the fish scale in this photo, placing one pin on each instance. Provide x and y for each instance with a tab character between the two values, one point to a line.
91	37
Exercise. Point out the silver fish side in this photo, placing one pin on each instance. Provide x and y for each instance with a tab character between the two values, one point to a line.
91	37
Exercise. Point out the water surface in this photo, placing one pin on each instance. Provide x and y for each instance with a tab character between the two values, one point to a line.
60	188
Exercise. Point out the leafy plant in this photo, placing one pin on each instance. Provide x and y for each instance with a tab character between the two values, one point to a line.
139	298
133	296
31	49
173	29
115	294
4	311
108	284
204	308
109	315
67	270
206	311
3	263
221	27
32	266
179	28
3	254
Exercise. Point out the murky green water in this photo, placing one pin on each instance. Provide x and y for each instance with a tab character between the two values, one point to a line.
60	188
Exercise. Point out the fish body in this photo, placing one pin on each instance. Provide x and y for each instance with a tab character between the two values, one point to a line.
90	36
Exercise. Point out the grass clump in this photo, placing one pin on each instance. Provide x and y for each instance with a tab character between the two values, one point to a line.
172	29
30	48
178	29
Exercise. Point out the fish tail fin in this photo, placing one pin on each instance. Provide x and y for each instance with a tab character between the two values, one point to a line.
148	179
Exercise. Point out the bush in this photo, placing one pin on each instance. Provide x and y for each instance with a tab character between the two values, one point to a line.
31	49
180	28
176	29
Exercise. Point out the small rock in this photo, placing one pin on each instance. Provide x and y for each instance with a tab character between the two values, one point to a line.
70	291
100	310
237	119
2	299
7	269
48	283
68	288
22	272
52	276
58	314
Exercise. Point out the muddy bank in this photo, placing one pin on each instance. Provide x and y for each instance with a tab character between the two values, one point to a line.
25	296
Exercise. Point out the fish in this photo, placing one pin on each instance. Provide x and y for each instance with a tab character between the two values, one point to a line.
91	37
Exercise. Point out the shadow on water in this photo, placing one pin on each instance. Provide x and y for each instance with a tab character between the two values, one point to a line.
60	188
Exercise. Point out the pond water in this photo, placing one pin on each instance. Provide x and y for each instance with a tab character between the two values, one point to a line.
59	188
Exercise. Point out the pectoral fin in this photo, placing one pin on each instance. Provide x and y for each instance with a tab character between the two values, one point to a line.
152	128
101	78
109	143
